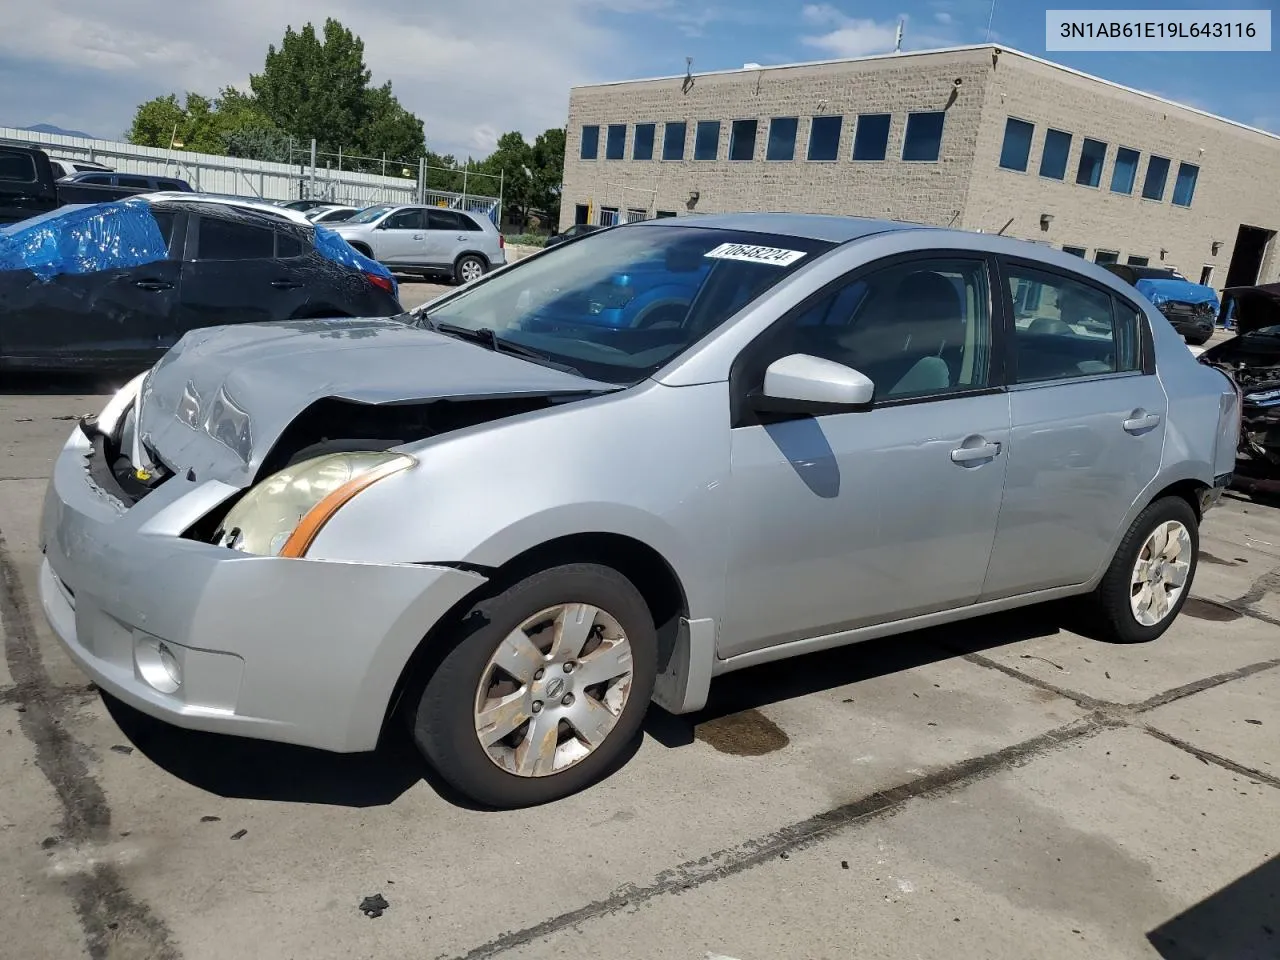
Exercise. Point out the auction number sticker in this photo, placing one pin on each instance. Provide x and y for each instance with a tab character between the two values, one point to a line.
753	254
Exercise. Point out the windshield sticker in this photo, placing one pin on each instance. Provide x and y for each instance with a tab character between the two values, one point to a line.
753	254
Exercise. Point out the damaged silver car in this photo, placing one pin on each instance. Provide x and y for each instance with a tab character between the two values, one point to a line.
604	475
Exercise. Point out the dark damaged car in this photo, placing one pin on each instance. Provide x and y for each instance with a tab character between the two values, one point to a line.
112	286
1252	360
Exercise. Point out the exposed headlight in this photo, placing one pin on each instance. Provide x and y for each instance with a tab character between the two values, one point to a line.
119	403
282	515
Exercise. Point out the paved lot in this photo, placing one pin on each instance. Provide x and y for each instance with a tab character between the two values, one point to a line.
1003	788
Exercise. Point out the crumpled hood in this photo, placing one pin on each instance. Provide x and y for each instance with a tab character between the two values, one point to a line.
1183	291
220	398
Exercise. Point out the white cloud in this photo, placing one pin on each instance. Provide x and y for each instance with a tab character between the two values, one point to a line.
943	17
860	36
469	71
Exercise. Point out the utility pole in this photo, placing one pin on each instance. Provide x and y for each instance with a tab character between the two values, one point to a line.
312	192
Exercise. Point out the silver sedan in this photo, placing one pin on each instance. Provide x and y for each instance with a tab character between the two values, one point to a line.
601	476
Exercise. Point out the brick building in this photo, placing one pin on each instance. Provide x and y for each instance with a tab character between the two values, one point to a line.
982	137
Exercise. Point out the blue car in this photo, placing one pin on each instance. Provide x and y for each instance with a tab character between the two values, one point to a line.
1191	307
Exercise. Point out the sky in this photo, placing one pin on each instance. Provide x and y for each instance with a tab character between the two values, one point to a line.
474	70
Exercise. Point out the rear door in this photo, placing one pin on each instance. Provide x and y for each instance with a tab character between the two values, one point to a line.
1088	427
450	233
401	238
107	318
232	273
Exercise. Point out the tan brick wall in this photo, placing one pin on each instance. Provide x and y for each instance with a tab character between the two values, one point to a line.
926	192
1239	179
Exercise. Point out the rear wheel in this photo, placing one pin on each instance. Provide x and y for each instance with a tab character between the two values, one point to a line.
544	690
1151	574
469	268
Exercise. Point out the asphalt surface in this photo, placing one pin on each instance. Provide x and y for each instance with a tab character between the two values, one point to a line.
1003	788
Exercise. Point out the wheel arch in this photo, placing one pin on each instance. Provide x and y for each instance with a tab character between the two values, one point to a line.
472	253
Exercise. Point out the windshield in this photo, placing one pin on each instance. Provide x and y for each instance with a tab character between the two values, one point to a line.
369	214
620	303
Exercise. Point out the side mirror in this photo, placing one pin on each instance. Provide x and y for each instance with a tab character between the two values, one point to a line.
803	384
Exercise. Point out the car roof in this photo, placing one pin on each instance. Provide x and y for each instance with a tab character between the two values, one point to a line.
811	226
240	203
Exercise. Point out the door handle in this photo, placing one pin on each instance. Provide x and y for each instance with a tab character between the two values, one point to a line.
462	236
153	285
1141	421
417	236
286	284
984	451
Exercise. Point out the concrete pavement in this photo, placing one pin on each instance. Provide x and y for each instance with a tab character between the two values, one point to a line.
1001	788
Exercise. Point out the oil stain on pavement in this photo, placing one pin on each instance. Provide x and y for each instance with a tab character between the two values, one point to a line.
1208	610
746	734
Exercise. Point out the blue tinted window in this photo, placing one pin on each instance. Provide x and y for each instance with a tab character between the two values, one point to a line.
923	139
742	140
706	143
871	138
782	138
1053	161
642	146
1184	188
673	138
590	142
1126	170
1157	177
824	138
1016	150
615	145
1093	153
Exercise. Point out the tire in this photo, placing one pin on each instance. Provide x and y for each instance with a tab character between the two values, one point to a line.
361	249
1199	341
445	719
469	267
1116	617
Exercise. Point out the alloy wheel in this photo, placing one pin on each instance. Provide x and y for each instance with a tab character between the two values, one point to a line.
1160	573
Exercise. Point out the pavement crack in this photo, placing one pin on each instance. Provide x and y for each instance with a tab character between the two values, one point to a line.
1080	699
1199	686
752	853
114	923
1208	757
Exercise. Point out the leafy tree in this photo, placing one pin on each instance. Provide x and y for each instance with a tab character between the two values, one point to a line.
548	171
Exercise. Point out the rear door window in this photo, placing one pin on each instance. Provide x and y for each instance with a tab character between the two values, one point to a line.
287	246
228	240
17	166
128	181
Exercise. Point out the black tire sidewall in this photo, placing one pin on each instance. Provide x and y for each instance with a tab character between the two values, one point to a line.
1114	592
443	721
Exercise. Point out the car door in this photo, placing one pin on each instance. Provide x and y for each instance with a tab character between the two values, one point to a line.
1088	427
118	317
448	236
232	274
851	519
24	192
401	238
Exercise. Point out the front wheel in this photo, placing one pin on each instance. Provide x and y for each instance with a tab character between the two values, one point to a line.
545	689
469	268
1151	574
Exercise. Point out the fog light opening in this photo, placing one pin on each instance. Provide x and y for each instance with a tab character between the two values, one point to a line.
158	665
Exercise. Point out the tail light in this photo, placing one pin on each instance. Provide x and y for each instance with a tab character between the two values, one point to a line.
502	242
386	283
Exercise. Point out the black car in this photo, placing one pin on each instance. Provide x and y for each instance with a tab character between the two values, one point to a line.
577	230
1252	360
1189	307
114	285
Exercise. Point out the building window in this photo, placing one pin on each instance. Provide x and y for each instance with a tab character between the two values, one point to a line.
1206	275
674	136
1016	151
642	146
1106	256
590	142
1184	188
1053	159
664	214
871	138
742	140
824	138
1135	261
615	144
1125	173
923	139
608	216
706	141
1093	154
1157	177
581	213
782	138
1074	251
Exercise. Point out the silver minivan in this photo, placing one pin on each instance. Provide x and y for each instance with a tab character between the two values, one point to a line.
427	240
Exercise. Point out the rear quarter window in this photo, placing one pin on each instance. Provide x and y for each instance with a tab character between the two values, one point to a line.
17	166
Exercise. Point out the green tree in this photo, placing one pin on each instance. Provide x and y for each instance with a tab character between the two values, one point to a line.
513	161
548	172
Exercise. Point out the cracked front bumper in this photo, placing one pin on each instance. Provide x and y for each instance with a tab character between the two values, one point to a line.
300	651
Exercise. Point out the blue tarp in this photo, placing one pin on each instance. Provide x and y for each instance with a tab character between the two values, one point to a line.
333	247
84	239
